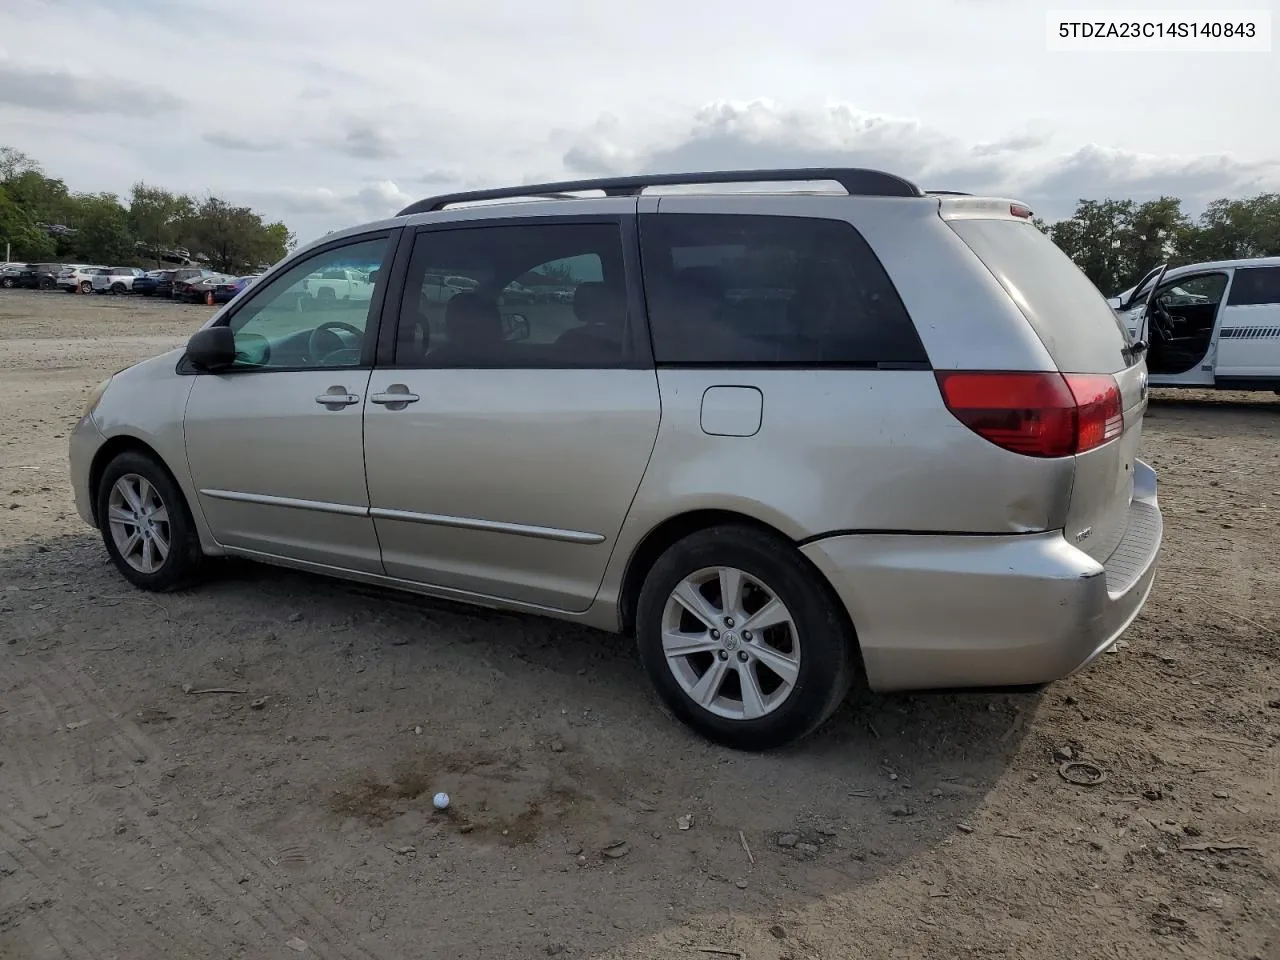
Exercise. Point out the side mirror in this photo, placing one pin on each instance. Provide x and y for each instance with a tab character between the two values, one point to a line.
515	326
212	348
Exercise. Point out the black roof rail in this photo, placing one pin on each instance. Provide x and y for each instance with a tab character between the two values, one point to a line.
946	193
856	182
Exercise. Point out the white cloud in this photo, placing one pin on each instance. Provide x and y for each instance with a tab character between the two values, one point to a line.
314	102
750	135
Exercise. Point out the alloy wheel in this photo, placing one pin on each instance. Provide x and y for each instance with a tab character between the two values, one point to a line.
139	522
731	643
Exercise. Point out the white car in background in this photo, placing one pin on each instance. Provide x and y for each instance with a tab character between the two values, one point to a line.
116	279
78	278
339	283
1210	325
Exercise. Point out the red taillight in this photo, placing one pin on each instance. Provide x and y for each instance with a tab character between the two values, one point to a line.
1036	414
1099	409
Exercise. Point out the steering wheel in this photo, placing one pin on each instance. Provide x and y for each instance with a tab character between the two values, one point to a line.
315	342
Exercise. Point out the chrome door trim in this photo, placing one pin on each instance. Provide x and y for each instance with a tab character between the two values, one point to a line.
408	516
469	523
345	509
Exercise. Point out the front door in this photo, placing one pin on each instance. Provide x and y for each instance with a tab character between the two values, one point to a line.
508	433
275	444
1181	326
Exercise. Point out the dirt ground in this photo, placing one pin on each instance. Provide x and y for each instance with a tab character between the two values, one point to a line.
139	822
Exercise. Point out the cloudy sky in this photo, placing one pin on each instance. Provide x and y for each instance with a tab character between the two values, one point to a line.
326	112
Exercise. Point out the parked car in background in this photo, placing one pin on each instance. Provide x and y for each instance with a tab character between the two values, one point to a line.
339	283
116	279
146	284
442	289
1210	324
224	292
32	276
9	274
184	279
201	289
173	278
874	434
78	278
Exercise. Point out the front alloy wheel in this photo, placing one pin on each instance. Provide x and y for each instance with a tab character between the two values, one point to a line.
139	522
146	526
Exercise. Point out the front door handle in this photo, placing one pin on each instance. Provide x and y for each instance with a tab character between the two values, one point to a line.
397	397
337	397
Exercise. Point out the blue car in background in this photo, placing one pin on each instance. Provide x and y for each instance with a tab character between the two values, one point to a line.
223	292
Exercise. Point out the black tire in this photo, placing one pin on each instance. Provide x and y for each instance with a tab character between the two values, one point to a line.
86	286
828	650
182	565
7	283
117	289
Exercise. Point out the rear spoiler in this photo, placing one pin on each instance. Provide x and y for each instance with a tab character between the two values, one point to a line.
961	207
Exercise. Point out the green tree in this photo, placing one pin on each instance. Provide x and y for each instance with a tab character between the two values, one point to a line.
156	217
103	230
1157	231
26	241
235	238
44	199
277	242
14	162
1236	229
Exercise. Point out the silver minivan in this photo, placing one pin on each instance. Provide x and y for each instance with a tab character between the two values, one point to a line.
787	438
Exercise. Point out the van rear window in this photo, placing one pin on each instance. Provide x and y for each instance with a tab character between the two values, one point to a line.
1080	331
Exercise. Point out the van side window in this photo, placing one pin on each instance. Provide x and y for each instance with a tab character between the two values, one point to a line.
744	289
516	296
1254	286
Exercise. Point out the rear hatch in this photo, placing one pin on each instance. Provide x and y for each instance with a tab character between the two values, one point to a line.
1092	349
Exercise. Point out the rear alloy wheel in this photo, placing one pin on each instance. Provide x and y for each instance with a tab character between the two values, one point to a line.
7	283
117	289
145	523
86	286
742	640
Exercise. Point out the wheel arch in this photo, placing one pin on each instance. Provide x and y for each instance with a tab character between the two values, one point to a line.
676	528
112	449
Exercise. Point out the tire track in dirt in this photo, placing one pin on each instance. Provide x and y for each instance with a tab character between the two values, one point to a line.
227	856
205	880
44	687
28	717
83	909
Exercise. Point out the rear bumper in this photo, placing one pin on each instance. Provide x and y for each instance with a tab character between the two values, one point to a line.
954	611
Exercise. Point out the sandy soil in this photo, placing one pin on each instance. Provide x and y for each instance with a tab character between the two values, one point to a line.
140	822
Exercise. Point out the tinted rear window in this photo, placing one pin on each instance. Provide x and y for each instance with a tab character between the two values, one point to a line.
1080	331
1254	286
742	289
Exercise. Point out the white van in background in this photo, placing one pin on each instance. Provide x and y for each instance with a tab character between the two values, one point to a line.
1210	325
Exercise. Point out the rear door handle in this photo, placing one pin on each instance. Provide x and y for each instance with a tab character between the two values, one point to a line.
397	397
